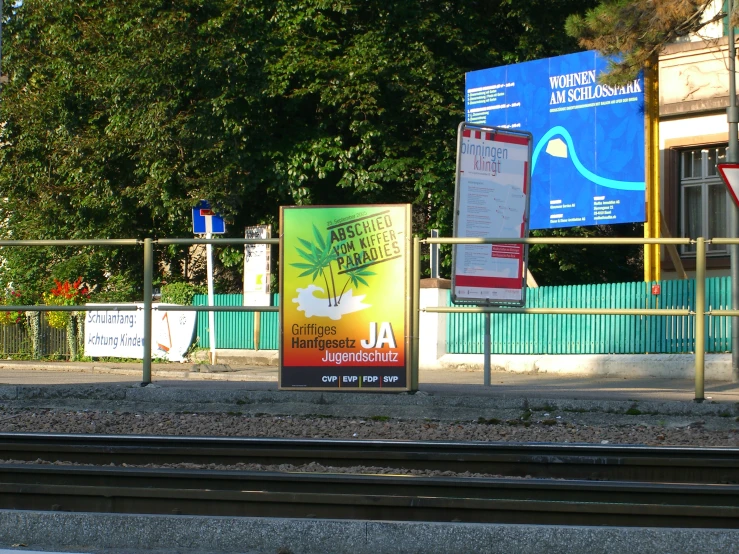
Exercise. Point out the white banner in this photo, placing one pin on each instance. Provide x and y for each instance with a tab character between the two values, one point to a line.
121	334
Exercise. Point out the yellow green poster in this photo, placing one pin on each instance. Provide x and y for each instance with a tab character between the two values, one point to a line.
344	283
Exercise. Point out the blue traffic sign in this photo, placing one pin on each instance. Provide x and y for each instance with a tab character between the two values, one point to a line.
204	220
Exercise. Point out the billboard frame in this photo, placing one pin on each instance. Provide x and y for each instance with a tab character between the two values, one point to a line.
331	369
516	136
590	164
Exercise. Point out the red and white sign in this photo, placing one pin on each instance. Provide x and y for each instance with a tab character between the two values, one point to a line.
491	201
730	175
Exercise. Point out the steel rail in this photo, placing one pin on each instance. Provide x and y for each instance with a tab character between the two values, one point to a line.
542	460
531	501
560	240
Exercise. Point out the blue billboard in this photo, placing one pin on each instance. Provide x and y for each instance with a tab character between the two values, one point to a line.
587	166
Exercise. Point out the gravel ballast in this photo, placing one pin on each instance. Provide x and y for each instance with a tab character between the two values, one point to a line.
565	427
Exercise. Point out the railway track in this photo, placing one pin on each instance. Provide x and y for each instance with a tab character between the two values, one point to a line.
541	460
564	492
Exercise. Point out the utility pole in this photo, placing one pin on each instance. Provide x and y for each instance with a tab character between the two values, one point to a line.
732	156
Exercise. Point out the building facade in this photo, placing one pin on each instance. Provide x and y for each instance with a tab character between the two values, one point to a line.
693	137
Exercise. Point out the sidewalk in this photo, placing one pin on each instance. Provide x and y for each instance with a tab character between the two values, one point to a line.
449	382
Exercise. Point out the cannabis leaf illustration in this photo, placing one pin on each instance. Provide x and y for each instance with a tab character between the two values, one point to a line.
318	256
356	276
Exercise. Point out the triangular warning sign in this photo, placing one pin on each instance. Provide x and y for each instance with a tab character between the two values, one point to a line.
730	175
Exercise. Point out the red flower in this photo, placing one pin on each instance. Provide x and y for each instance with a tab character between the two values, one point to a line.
70	291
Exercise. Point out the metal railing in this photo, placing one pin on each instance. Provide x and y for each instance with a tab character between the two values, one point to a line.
148	306
698	313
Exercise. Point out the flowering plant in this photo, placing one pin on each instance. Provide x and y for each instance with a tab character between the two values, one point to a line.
10	299
65	294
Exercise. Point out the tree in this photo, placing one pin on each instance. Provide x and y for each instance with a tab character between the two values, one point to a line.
633	32
120	116
555	264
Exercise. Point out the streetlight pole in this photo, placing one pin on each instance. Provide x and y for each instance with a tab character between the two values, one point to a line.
732	156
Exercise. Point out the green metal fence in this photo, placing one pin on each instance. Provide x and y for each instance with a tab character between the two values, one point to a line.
706	331
235	330
540	333
510	333
516	333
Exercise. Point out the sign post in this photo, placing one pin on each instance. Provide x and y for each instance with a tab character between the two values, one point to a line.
345	277
491	200
730	174
205	221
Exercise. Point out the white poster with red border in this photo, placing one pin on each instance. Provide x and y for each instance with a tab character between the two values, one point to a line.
491	201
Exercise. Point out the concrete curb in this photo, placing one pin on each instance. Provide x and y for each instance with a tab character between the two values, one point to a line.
676	366
195	534
633	366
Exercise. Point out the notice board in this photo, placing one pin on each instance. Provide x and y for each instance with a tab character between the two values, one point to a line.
344	302
491	200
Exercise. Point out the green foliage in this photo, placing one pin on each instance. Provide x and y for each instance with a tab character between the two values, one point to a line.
555	264
11	298
125	287
120	116
231	257
632	32
181	293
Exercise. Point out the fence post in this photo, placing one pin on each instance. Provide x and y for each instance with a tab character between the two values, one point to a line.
148	289
700	316
486	351
415	311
